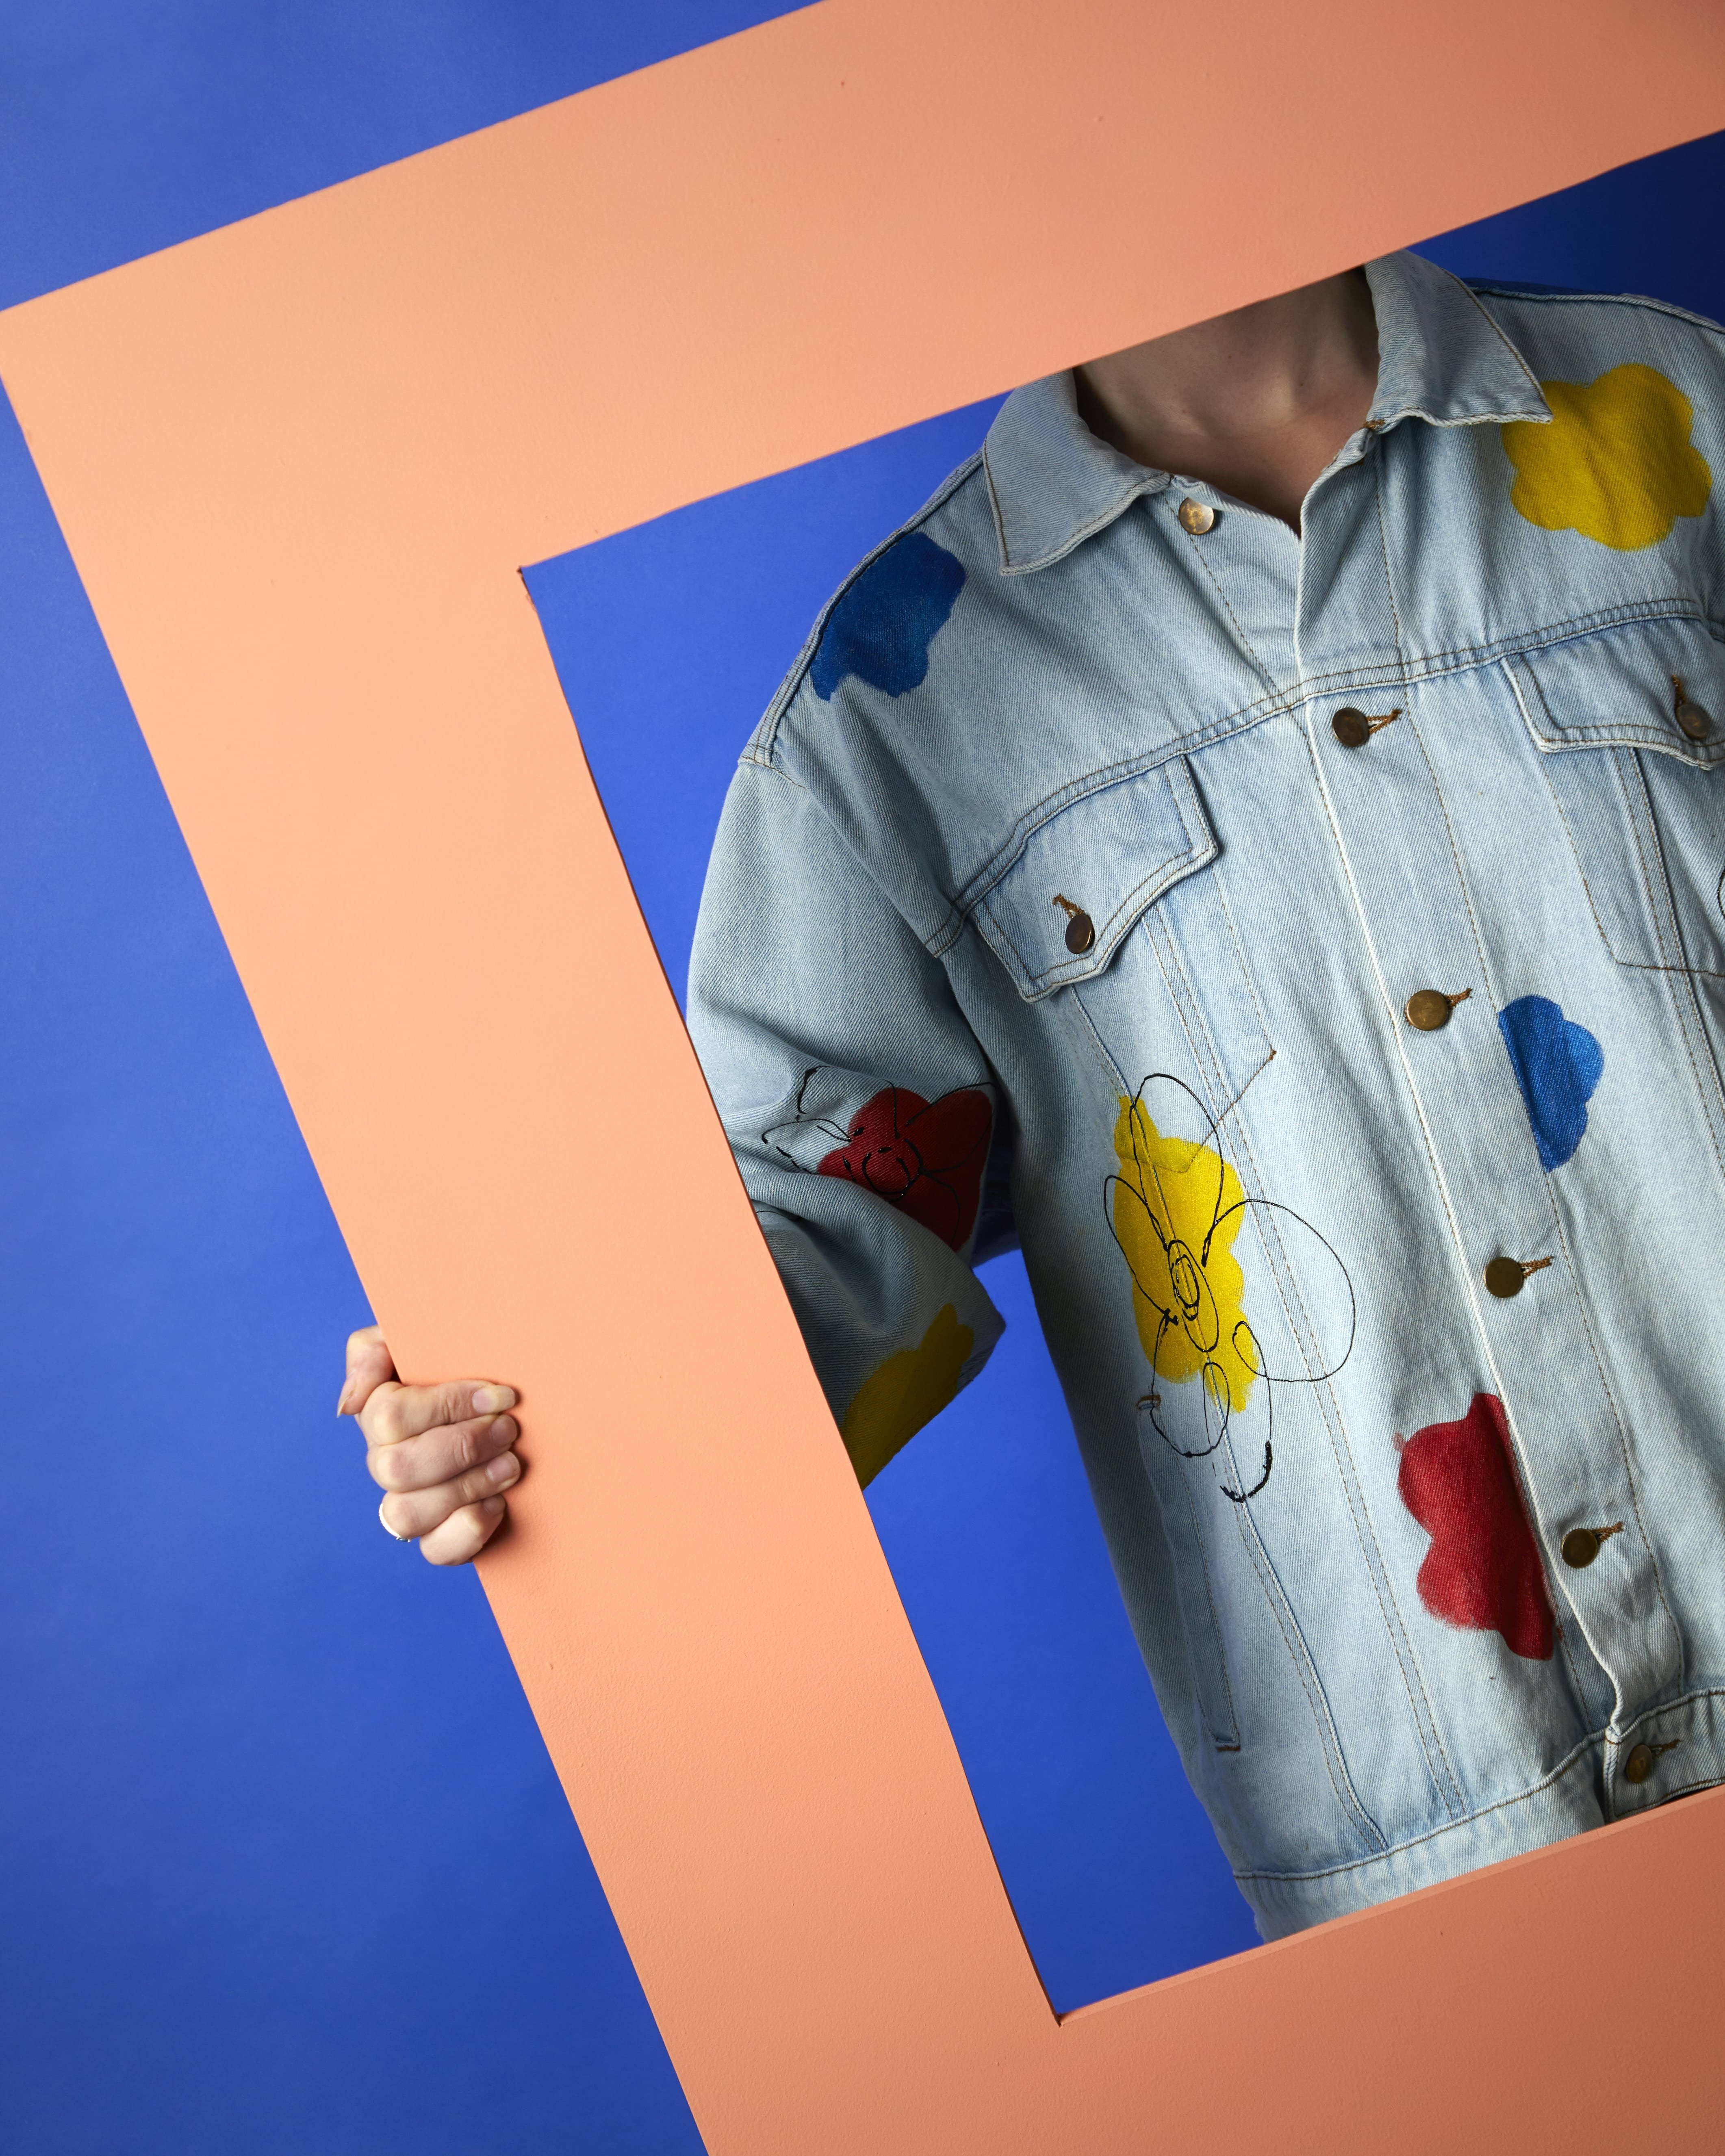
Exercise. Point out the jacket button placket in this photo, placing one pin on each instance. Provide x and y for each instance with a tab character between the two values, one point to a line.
1394	825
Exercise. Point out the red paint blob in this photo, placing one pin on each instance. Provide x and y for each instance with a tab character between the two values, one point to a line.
1482	1571
925	1156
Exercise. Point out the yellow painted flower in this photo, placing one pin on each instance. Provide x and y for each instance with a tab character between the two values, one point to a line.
1178	1207
909	1389
1615	463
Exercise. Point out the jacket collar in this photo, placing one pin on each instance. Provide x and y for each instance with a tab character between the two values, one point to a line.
1441	358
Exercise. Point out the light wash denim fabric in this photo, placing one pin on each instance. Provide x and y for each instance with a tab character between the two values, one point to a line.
1049	854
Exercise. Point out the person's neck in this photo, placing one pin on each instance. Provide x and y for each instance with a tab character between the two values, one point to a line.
1255	402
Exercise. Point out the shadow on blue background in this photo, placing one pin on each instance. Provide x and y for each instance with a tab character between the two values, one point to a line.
285	1867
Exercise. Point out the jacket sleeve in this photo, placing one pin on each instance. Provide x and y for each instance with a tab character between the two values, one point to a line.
860	1107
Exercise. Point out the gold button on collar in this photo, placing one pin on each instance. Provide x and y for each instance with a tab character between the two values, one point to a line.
1195	516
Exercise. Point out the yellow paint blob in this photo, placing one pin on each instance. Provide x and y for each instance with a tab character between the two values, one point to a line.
909	1389
1178	1207
1616	462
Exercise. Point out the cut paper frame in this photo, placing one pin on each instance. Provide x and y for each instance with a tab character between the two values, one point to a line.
299	464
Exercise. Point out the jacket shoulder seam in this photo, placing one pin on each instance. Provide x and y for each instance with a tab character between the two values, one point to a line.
763	742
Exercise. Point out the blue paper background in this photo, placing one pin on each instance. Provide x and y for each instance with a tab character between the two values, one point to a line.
284	1865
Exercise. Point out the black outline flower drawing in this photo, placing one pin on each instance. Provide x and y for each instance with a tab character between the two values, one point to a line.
1174	1217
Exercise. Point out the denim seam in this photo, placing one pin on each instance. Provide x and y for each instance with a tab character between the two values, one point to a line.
1458	659
1651	890
1408	1666
1566	1766
1656	1713
1524	1485
1152	482
1692	1006
1587	1334
1365	1533
766	733
1251	650
1395	612
1216	1641
1245	972
1502	337
1190	1013
1564	740
1513	674
1640	965
1440	1180
1117	1077
1494	991
1006	856
1643	825
975	886
1427	1137
772	769
1161	878
1195	827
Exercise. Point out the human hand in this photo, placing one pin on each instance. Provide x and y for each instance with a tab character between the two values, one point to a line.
441	1452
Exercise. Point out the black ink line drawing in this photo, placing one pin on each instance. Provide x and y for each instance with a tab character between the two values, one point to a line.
926	1157
838	1132
1190	1308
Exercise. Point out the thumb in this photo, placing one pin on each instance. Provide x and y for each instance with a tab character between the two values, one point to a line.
369	1365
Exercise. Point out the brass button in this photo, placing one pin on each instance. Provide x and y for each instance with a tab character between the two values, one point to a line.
1080	932
1196	516
1505	1277
1581	1546
1695	721
1639	1765
1428	1010
1352	728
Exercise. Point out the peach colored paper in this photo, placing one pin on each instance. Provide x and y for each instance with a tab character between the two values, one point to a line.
298	462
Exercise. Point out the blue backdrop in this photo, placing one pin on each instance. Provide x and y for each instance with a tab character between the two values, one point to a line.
285	1864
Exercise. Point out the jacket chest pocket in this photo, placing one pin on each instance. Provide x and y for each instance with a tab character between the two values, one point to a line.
1631	727
1115	897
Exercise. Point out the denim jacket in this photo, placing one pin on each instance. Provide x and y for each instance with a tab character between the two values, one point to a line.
1310	948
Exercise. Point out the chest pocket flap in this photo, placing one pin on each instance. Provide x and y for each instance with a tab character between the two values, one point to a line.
1645	810
1058	911
1648	684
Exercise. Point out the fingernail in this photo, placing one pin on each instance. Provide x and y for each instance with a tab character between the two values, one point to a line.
504	1432
504	1469
489	1399
341	1404
492	1507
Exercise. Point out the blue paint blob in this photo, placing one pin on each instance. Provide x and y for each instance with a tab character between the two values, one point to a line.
1557	1064
882	628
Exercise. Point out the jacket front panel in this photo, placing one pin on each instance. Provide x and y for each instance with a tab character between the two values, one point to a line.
1054	897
